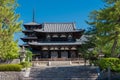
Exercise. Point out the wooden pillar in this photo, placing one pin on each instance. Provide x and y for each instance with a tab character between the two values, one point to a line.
42	54
76	54
59	54
49	56
69	54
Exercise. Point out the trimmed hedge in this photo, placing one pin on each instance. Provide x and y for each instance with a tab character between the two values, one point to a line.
113	63
10	67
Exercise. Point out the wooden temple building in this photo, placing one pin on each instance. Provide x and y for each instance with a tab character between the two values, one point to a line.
52	41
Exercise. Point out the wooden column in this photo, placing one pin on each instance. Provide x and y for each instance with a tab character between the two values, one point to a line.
59	54
42	54
76	54
49	54
69	54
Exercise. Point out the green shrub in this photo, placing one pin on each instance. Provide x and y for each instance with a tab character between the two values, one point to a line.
25	64
10	67
113	63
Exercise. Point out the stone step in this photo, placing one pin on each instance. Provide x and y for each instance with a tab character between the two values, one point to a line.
58	63
60	79
63	73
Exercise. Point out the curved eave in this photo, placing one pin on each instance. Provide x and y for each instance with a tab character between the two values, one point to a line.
74	31
30	25
25	45
55	44
78	34
29	38
27	31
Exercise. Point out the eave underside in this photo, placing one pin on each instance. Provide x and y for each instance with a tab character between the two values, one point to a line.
55	44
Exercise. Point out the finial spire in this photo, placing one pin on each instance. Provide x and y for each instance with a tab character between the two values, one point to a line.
33	16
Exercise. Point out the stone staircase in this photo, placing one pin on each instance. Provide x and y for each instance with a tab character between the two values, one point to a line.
63	73
60	63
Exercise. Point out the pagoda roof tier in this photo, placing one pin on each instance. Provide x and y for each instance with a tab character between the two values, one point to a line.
25	45
27	31
29	38
55	44
31	24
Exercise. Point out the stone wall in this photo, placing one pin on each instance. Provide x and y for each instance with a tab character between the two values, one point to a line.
11	76
113	76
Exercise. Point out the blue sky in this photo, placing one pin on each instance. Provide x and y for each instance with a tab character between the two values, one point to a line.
57	11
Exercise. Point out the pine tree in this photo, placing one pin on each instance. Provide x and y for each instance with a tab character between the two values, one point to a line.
106	21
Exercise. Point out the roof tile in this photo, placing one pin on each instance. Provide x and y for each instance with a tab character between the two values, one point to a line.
58	27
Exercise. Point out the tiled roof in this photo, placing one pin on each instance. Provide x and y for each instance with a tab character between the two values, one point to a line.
32	23
54	27
83	39
58	27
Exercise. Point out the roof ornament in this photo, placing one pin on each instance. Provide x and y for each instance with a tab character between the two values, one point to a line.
33	18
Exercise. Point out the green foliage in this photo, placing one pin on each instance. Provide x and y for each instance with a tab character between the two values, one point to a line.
9	24
113	63
10	51
25	64
87	47
106	22
10	67
110	1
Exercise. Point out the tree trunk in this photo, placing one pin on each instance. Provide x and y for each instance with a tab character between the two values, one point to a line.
114	45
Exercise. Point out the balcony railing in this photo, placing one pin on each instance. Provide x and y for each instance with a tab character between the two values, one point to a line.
57	59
